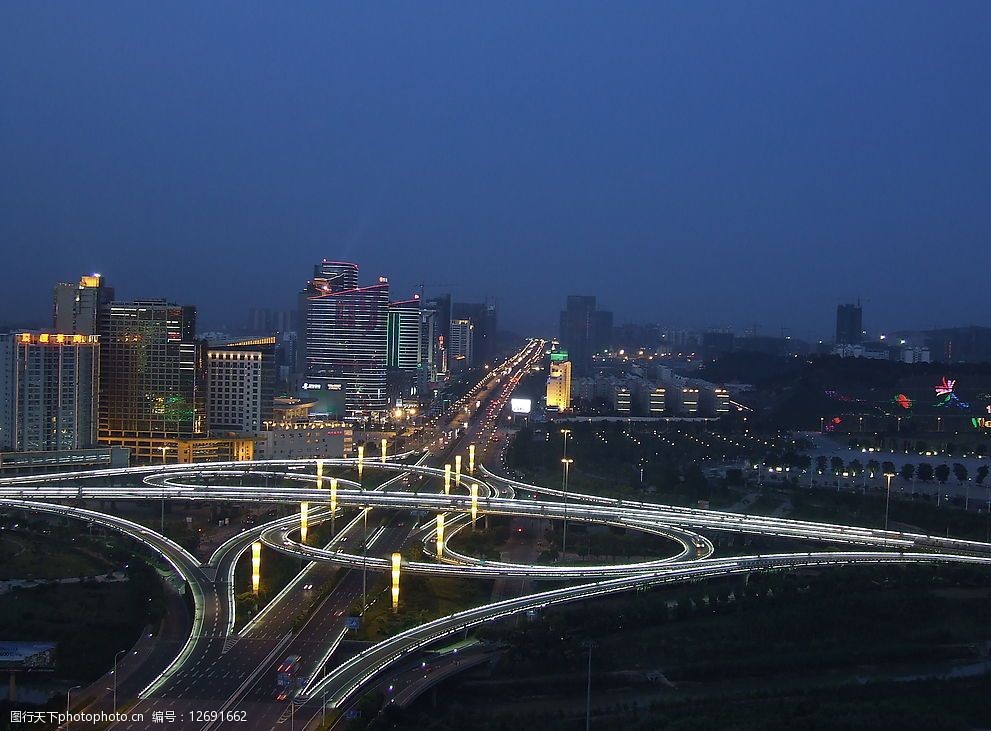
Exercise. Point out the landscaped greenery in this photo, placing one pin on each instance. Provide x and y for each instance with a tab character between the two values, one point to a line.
815	638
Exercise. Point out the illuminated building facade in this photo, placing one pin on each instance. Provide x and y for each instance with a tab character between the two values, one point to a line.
459	344
690	401
77	307
622	400
315	439
240	385
48	391
404	341
152	380
559	385
656	401
344	335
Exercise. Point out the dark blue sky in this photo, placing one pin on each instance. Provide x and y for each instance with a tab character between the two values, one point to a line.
691	163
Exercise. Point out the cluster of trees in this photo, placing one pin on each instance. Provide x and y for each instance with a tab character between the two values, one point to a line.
924	472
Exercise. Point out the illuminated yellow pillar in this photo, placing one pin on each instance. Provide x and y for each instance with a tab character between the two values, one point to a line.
304	522
447	479
361	460
457	470
333	505
440	535
397	561
471	458
474	504
319	474
385	443
256	565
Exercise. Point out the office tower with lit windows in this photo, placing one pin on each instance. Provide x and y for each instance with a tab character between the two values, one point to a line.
483	328
48	391
344	335
77	307
459	345
152	379
404	341
559	383
240	385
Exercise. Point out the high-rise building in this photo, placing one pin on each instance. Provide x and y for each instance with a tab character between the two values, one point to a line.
849	324
240	385
152	378
48	391
459	345
404	341
584	331
265	321
439	309
483	321
344	334
77	307
559	385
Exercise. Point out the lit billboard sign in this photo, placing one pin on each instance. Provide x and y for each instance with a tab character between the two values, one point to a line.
520	405
27	655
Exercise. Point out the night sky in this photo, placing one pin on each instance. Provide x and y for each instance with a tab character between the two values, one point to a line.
690	163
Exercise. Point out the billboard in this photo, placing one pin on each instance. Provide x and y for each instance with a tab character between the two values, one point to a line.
329	395
520	405
27	655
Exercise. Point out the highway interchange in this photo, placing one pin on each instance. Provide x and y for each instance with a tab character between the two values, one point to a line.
222	671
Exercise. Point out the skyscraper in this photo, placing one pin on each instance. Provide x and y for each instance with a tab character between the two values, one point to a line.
559	384
404	343
77	307
482	317
584	331
152	381
240	385
344	334
849	324
48	391
460	344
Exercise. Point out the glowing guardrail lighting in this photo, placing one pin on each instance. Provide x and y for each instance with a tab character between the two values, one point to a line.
397	560
256	565
440	535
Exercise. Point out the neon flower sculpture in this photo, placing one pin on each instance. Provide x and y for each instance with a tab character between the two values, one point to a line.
949	396
904	401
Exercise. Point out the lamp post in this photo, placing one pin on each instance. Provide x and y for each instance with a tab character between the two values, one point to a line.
67	694
564	539
588	688
887	498
115	678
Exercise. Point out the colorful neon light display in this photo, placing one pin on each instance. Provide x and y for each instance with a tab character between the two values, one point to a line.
945	389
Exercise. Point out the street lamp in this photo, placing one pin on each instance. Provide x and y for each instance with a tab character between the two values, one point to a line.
564	539
887	499
115	678
67	694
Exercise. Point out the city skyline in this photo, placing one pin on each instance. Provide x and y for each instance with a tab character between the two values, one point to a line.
748	168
